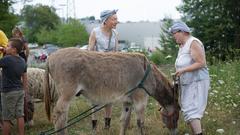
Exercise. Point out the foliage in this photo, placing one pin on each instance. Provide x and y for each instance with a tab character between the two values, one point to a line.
159	58
65	34
225	85
216	23
223	107
7	19
37	17
46	36
91	18
166	39
168	54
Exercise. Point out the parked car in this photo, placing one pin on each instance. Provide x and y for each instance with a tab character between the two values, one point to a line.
45	46
50	48
32	45
40	55
85	47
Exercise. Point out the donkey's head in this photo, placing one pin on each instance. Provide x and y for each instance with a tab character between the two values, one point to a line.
167	96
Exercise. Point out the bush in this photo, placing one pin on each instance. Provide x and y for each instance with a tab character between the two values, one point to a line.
65	35
159	58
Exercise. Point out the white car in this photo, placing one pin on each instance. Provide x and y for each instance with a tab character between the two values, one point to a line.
85	47
32	45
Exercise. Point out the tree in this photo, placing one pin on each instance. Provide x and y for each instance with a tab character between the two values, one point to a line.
216	23
7	19
66	34
38	17
169	52
166	39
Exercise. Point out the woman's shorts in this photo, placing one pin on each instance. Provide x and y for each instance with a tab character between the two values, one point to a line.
193	99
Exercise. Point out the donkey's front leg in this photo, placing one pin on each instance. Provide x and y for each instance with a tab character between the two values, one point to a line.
140	120
125	117
94	121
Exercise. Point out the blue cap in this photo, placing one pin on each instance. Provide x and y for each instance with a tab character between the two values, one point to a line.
106	14
179	26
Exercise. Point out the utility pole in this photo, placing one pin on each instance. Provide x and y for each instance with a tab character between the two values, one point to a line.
52	3
67	9
71	10
63	9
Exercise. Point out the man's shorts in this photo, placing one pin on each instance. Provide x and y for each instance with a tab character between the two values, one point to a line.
12	104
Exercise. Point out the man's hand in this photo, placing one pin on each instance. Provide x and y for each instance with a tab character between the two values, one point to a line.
2	49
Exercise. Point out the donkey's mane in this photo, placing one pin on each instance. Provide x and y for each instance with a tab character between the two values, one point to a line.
161	76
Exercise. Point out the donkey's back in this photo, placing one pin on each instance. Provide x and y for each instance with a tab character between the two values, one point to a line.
101	77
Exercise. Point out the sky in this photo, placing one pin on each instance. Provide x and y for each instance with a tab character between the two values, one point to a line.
128	10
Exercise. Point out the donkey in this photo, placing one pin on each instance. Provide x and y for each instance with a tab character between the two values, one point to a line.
35	83
104	78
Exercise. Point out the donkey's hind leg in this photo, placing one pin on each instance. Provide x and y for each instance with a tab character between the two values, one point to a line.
125	117
60	113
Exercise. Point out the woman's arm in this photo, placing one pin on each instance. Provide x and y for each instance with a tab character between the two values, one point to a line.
92	41
198	56
117	45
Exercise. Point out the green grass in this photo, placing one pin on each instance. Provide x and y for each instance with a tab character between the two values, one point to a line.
223	110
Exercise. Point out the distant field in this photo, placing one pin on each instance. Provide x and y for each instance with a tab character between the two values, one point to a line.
223	110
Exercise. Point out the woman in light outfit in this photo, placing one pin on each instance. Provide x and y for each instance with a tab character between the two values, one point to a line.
194	77
105	39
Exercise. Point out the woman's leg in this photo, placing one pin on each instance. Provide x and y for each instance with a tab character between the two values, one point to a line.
195	126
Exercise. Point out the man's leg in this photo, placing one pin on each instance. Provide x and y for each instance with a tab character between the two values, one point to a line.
1	122
20	123
6	127
20	112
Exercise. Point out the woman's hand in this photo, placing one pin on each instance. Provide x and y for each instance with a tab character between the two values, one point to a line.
180	72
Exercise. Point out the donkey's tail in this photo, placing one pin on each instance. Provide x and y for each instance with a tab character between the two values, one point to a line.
47	93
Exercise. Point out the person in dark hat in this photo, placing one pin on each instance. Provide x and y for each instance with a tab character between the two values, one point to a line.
105	39
192	70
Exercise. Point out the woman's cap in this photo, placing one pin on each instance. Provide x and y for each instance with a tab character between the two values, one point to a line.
179	26
106	14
